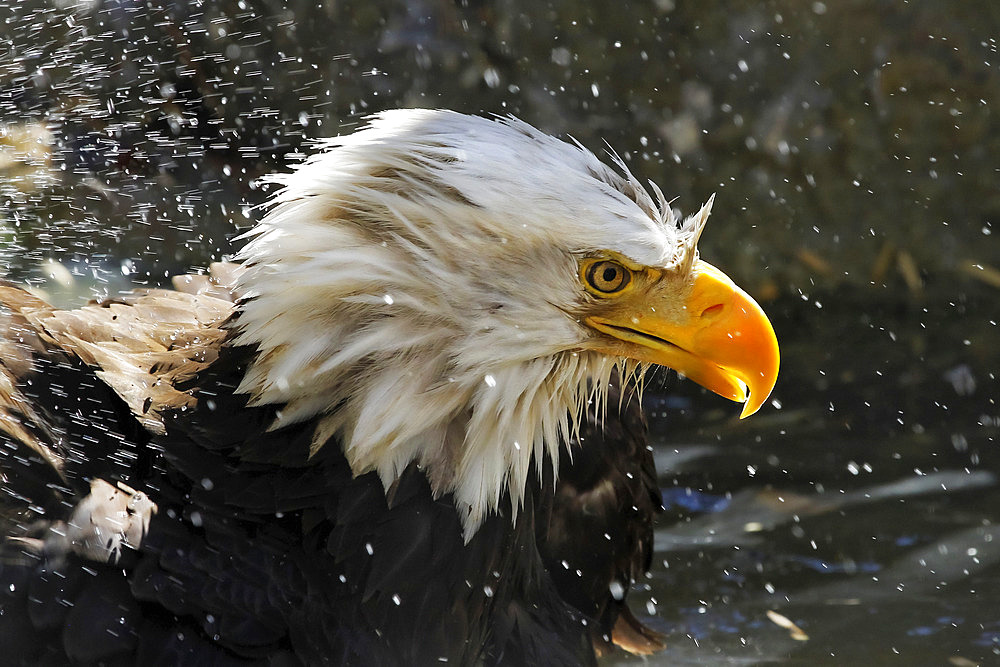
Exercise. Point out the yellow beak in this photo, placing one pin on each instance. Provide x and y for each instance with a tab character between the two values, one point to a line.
719	337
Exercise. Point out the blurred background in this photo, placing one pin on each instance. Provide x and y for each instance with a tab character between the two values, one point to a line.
855	155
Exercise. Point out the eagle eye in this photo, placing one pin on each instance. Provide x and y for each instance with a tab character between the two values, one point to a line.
606	277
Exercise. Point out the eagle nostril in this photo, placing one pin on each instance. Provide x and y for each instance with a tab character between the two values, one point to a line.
712	310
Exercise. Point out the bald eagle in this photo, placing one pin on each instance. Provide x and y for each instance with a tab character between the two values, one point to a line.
401	428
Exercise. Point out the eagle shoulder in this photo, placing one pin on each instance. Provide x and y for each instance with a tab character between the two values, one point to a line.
141	344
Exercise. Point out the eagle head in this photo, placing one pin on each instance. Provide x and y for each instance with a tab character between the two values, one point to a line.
455	291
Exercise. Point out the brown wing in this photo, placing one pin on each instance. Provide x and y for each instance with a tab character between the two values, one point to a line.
598	538
141	344
82	395
82	390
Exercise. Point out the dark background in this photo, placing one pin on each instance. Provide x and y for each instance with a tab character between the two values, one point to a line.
855	156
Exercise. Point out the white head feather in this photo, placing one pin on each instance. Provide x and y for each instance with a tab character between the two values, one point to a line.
413	289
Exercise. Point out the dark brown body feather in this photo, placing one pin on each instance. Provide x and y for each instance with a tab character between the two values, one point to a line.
257	552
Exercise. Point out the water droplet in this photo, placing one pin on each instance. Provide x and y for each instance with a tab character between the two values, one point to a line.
617	590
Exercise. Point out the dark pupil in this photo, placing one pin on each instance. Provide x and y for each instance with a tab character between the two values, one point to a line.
610	274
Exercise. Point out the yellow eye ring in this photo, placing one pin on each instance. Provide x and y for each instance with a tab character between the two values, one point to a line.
606	277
